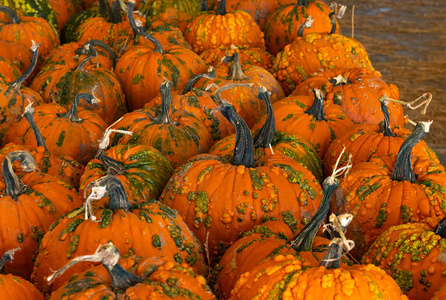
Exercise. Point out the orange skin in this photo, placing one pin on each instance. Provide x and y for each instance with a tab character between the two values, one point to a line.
355	282
410	254
290	117
132	232
64	9
165	271
9	70
358	99
28	217
231	199
17	288
377	202
365	141
440	293
282	26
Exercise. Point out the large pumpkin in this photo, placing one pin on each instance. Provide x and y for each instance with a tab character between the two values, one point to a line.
219	199
147	229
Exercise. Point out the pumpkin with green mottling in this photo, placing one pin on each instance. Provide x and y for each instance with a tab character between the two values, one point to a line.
68	32
178	135
28	207
413	254
219	199
143	170
147	229
35	8
15	57
391	190
282	26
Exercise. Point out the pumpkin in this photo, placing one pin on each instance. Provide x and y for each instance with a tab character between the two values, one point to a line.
267	140
15	287
221	28
60	83
63	167
364	141
34	8
18	54
145	278
391	190
10	71
14	98
283	24
357	91
219	199
74	132
201	104
310	117
143	170
248	55
316	52
179	135
142	69
412	254
40	197
440	293
27	30
147	229
242	94
64	9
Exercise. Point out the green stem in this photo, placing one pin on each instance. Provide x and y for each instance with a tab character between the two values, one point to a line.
17	84
115	13
385	129
317	109
163	116
209	75
86	50
71	114
403	169
13	186
14	18
221	8
235	72
331	15
244	145
304	240
265	136
28	114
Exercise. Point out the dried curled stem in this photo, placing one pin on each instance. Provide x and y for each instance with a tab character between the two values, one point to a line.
427	100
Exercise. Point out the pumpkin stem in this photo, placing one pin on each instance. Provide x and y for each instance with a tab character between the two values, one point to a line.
331	15
339	243
163	116
204	5
104	7
307	24
114	189
13	186
228	86
209	75
109	256
235	72
265	136
385	128
81	65
339	80
317	109
85	49
427	100
110	165
304	240
440	229
28	114
8	256
302	2
140	30
17	84
13	16
221	8
115	13
244	145
403	169
71	114
338	9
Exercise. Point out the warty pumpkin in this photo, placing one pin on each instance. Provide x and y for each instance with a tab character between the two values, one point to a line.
179	135
413	254
147	229
391	190
40	197
221	28
74	132
219	199
132	277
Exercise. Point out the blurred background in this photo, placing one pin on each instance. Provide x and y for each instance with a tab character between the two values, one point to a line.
406	42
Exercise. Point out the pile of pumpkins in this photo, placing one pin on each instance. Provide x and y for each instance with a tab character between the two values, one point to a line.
186	149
